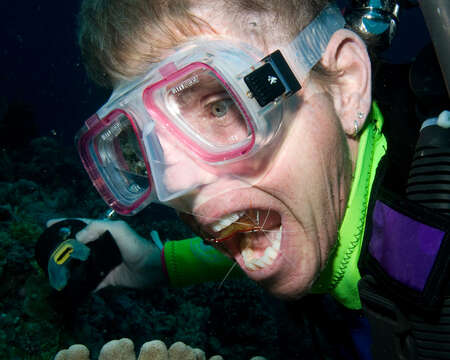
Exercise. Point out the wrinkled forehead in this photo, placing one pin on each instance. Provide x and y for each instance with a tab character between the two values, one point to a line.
238	26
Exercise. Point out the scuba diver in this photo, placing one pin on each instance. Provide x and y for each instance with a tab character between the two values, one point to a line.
256	121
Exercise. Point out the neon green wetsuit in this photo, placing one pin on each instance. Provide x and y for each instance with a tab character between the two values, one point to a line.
189	261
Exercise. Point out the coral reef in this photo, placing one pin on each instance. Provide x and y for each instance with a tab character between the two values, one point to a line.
123	349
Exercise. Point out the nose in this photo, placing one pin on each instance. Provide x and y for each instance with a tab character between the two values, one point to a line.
185	175
178	172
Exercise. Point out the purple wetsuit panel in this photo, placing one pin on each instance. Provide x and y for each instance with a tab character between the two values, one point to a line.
405	248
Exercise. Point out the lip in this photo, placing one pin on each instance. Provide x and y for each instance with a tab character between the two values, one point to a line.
232	202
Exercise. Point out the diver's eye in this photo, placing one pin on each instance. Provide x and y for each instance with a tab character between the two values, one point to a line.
220	108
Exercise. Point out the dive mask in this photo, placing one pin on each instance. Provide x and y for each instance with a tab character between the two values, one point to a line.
208	111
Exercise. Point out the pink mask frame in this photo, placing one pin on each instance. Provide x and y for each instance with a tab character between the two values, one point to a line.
159	116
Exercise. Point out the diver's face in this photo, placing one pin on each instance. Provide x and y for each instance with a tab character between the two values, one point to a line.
282	229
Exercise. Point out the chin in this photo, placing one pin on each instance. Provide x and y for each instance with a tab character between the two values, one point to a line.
292	286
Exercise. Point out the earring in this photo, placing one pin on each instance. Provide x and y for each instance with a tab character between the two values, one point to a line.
356	123
356	128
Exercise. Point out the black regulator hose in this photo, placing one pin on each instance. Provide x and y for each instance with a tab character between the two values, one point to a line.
429	177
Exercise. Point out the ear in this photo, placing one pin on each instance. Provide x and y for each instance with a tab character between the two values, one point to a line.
346	55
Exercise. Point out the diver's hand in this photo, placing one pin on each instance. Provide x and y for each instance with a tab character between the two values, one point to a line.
141	266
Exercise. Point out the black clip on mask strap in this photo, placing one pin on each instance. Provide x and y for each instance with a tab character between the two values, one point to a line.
280	76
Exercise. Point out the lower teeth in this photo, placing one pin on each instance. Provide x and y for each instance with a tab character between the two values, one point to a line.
267	259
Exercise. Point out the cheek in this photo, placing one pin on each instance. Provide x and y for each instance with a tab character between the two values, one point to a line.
314	155
312	175
300	269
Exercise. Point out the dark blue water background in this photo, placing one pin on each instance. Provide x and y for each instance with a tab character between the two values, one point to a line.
41	66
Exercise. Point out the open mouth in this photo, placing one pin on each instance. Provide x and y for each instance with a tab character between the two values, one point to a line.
256	234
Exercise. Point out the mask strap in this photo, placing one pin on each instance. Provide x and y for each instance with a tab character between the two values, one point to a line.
310	44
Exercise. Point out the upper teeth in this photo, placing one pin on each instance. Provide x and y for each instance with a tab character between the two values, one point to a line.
227	220
270	254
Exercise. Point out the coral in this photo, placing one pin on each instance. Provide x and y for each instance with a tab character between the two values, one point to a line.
75	352
7	165
155	349
118	349
123	349
18	192
25	232
35	304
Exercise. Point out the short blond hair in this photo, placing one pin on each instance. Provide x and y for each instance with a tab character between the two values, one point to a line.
120	38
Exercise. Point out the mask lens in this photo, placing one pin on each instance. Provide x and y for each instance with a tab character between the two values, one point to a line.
121	160
128	150
206	110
